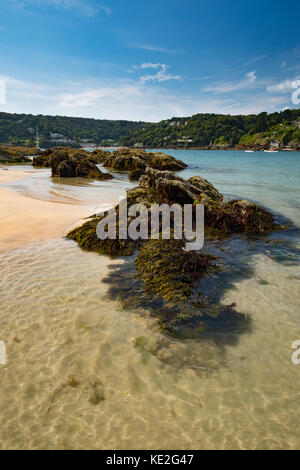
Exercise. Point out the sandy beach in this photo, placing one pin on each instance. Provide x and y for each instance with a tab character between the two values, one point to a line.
24	219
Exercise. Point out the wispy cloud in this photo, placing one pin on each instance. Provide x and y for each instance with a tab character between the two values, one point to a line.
2	28
148	47
86	7
161	76
256	59
229	87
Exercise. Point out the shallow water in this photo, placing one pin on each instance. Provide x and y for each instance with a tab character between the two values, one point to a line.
58	322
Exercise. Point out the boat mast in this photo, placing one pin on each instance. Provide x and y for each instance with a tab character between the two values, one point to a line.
37	137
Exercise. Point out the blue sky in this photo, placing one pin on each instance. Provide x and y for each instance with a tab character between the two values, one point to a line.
148	60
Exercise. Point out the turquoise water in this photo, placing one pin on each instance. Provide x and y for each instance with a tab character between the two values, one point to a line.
269	179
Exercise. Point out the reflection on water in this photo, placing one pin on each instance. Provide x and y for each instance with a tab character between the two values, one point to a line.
84	372
92	193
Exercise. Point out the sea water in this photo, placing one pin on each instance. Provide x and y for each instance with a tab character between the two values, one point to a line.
66	337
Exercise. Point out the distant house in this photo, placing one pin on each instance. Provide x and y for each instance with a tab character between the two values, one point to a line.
55	135
139	145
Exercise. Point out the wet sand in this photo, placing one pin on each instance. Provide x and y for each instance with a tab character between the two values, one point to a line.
24	219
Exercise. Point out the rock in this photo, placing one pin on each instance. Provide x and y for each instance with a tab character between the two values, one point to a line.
205	187
165	278
230	217
97	394
99	155
132	160
135	175
41	161
13	154
238	217
167	281
168	187
87	239
67	163
65	170
87	169
169	271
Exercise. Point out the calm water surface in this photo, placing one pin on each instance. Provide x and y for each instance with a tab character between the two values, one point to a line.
68	342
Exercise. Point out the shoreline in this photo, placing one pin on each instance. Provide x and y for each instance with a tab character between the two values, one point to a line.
25	219
230	149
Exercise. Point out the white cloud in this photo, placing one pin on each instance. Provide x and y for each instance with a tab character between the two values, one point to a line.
120	99
283	65
251	76
147	65
229	87
160	76
284	86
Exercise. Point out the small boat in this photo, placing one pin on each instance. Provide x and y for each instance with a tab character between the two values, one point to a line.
250	151
271	151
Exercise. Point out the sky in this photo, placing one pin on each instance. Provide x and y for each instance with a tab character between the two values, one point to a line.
148	60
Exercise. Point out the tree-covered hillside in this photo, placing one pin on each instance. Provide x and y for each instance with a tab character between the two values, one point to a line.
201	130
223	131
20	129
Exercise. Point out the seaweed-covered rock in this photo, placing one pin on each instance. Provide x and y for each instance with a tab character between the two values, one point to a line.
67	164
168	187
87	169
170	271
99	155
41	161
135	175
238	217
226	217
166	277
65	170
87	239
167	282
205	188
13	154
136	161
